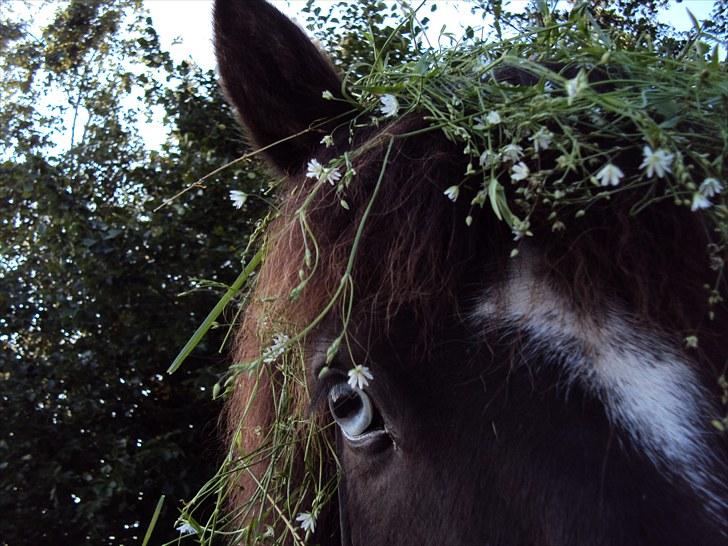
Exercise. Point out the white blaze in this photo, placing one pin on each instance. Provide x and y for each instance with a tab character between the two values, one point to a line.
648	388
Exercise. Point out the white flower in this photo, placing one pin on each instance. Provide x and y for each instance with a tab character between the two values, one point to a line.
520	171
314	169
541	139
656	162
520	229
700	202
575	86
710	187
512	152
493	117
328	141
328	95
186	529
238	198
390	106
359	377
595	116
609	175
452	193
479	198
488	158
332	176
276	349
307	521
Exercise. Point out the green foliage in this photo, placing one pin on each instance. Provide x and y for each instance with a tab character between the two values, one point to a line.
90	307
356	33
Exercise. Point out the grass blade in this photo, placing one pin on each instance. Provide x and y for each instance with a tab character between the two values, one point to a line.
212	316
153	523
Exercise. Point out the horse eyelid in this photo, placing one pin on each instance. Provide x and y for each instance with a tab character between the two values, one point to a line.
322	388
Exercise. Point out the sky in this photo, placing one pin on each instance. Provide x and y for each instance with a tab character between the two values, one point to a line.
191	21
185	30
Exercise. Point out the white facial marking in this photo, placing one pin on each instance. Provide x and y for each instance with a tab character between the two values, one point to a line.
647	387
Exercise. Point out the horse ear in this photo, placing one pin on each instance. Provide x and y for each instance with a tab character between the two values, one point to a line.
275	76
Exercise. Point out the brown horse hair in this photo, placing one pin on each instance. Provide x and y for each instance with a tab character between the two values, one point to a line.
417	255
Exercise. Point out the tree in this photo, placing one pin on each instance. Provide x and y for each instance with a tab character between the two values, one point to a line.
92	430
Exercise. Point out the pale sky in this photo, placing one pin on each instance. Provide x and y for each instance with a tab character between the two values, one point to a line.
185	30
191	20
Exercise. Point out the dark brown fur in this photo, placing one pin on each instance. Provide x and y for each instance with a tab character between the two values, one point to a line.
418	272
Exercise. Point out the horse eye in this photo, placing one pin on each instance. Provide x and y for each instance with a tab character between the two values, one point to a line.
352	410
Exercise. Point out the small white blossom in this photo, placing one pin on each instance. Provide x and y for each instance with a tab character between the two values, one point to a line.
517	234
390	106
493	117
700	202
276	349
565	162
332	176
452	193
512	152
328	95
488	158
328	141
710	187
186	529
575	86
595	116
238	198
359	377
520	230
609	175
520	171
656	162
541	139
479	198
314	169
306	521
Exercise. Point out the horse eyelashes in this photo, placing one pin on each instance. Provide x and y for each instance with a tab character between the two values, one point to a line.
351	408
323	386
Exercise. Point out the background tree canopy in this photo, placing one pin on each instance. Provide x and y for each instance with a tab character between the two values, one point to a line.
101	273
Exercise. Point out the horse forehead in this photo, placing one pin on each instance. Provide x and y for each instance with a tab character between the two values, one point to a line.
648	388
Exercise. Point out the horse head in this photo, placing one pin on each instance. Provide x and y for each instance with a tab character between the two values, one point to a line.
478	398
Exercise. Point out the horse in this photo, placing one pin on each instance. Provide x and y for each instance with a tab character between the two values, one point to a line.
542	399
